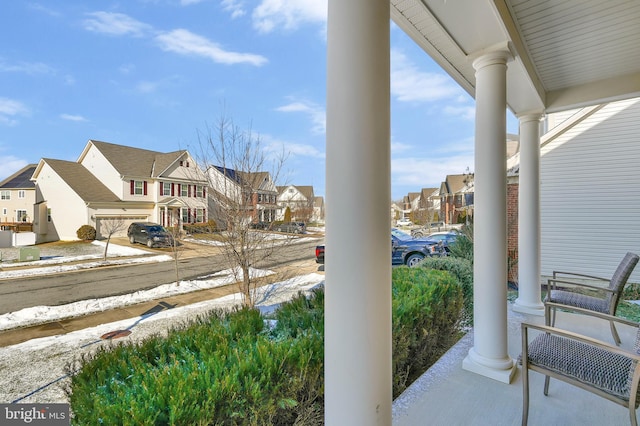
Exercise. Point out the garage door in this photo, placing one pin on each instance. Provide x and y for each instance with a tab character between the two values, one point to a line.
103	224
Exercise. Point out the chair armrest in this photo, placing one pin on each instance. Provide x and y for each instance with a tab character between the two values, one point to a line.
577	284
575	274
549	305
573	336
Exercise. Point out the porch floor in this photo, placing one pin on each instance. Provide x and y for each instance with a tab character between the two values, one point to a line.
449	395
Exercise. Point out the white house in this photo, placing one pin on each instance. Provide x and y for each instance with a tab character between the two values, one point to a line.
110	181
299	199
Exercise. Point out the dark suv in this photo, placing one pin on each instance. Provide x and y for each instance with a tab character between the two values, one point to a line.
150	234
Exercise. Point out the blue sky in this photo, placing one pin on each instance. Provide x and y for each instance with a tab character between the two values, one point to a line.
153	73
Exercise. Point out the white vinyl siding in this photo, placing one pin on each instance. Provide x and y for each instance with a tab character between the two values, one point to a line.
590	193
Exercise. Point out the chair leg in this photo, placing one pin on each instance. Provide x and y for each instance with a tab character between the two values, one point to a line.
550	321
525	395
614	333
632	416
546	385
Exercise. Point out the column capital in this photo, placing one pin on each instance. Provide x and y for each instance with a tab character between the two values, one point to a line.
530	116
498	54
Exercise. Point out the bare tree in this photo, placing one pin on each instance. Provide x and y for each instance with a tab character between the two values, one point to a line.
108	227
241	173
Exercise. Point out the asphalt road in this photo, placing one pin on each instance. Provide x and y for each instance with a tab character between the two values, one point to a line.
58	289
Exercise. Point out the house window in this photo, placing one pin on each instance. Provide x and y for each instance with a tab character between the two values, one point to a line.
4	211
185	215
199	191
166	188
48	215
199	215
138	187
5	195
21	193
21	215
184	191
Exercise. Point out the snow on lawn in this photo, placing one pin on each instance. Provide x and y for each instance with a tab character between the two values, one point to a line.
34	371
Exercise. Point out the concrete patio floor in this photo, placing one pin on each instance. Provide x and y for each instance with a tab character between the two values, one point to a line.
448	395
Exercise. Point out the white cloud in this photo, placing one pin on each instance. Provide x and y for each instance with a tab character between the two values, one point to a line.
397	147
409	84
146	86
427	172
276	146
235	7
115	24
10	165
289	14
72	117
463	112
185	42
30	68
10	108
315	112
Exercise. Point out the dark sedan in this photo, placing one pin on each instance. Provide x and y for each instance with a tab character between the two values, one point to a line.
405	250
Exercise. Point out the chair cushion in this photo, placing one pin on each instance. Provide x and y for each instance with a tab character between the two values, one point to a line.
597	367
579	300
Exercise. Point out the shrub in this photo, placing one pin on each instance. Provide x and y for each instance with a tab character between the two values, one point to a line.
229	368
426	314
86	233
462	270
462	247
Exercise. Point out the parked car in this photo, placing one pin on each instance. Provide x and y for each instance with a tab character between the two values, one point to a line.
405	250
150	234
404	222
445	238
428	229
291	227
260	225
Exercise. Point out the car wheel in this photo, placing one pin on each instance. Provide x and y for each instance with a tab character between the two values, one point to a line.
414	259
132	240
149	243
417	234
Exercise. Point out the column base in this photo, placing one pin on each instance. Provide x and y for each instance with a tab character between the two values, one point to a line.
504	375
521	306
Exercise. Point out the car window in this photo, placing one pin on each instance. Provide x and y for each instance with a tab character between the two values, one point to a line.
400	235
155	229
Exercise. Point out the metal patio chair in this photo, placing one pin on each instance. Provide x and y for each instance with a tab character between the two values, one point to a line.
605	301
603	369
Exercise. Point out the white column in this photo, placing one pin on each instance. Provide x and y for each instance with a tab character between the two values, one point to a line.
489	355
529	294
358	385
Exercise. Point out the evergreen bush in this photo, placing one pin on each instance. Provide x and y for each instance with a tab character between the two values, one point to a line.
427	305
86	233
230	368
462	270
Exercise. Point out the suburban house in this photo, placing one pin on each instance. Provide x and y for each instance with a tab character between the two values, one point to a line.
298	199
17	197
116	182
318	209
428	206
456	195
232	192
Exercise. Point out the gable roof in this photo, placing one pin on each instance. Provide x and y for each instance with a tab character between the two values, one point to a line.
453	184
20	179
130	161
81	181
305	190
255	180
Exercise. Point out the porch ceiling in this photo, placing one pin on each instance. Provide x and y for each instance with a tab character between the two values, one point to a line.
567	54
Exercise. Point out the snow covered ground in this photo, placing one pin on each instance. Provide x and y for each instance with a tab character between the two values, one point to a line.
34	371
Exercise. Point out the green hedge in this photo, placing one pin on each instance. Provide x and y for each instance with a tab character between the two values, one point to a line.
235	368
427	305
462	270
